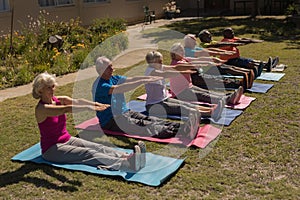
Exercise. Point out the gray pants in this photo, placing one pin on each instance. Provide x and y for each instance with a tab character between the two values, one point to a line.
172	106
199	94
80	151
136	123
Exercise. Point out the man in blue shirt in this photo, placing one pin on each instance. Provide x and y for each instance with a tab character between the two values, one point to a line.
110	89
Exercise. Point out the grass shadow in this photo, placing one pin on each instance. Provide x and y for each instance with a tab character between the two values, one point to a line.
24	174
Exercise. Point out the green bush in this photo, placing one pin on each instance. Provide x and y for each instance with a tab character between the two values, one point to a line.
30	52
23	76
292	9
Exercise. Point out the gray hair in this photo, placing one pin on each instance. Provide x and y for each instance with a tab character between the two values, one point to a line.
189	40
101	64
41	81
177	48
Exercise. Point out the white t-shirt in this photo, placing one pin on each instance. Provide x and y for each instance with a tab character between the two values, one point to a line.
156	91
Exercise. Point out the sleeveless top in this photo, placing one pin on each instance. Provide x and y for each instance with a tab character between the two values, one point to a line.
182	81
53	130
156	91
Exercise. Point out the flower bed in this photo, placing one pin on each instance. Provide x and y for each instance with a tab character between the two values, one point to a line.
33	50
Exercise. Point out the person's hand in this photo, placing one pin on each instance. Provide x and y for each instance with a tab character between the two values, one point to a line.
229	53
212	64
189	71
99	107
249	40
238	44
218	60
154	78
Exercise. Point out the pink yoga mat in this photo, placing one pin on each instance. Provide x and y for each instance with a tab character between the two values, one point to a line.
241	105
206	134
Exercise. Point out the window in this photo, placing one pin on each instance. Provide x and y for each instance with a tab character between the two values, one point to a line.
4	5
45	3
95	1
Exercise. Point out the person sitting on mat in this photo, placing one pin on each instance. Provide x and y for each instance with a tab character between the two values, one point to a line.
183	89
236	60
209	77
158	101
110	89
231	45
59	146
206	41
192	50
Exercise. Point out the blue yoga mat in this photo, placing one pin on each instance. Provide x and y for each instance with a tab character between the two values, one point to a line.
260	87
227	116
270	76
157	170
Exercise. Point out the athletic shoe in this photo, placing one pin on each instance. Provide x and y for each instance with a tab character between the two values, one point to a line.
260	68
191	126
134	159
275	61
142	146
268	65
238	95
231	98
217	113
235	97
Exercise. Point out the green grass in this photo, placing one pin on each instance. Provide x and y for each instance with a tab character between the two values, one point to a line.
256	157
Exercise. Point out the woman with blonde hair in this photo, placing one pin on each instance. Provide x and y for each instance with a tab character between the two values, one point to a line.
59	146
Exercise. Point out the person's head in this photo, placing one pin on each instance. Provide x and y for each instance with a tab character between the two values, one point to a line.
205	36
104	67
177	51
190	41
154	57
228	33
43	83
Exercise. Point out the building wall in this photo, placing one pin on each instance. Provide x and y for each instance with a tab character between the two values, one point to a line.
130	10
207	6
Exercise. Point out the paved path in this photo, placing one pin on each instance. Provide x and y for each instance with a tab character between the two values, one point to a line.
137	49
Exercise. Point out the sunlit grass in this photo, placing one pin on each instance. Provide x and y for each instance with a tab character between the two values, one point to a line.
256	157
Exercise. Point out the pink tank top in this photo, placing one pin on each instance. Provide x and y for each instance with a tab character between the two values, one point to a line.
180	82
53	130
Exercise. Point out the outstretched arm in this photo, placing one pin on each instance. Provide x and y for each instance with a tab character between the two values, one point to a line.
248	40
224	44
68	105
169	72
82	104
132	83
212	52
136	78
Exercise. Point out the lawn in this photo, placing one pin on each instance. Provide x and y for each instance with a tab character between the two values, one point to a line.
256	157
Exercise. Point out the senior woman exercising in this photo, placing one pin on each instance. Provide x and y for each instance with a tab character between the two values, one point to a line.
59	146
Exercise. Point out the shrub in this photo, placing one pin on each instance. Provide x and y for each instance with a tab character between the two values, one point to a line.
30	52
23	76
